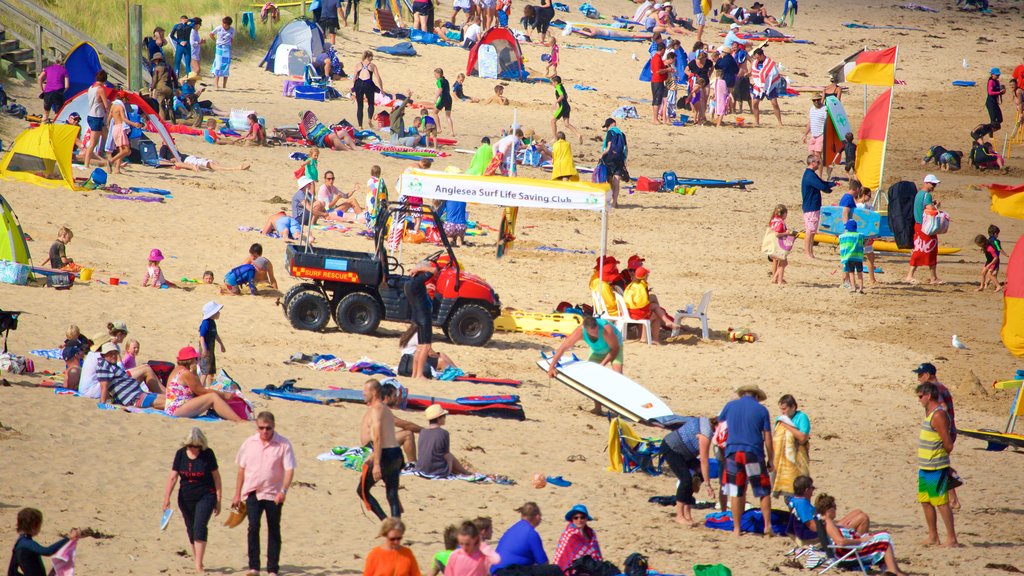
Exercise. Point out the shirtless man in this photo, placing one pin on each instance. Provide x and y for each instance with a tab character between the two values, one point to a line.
386	462
405	431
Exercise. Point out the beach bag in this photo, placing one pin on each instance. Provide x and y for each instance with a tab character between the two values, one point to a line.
241	407
587	566
776	247
147	154
600	175
669	180
934	222
15	364
300	172
636	565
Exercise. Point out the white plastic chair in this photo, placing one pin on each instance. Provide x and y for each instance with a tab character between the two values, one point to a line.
625	320
701	314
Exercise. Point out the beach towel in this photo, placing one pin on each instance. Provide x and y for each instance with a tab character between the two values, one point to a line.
751	521
791	458
114	407
64	559
562	164
371	368
354	458
624	112
766	77
52	354
584	88
575	543
249	24
400	49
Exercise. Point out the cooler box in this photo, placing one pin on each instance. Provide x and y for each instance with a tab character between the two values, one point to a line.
13	273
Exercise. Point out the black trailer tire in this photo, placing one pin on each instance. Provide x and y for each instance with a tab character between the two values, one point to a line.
309	311
292	292
470	325
358	313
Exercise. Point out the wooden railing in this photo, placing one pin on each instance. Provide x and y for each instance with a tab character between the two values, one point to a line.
37	28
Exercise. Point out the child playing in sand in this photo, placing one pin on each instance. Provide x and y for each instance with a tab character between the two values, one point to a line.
208	277
499	96
991	267
210	134
552	68
154	275
863	201
208	339
778	241
280	223
131	352
58	252
236	277
428	127
457	89
851	256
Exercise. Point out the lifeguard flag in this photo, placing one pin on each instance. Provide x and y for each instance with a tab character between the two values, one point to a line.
871	142
1013	302
1007	200
876	68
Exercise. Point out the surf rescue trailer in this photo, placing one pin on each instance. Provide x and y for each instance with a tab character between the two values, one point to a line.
360	289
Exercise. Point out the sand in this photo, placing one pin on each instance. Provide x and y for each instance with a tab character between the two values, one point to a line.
847	358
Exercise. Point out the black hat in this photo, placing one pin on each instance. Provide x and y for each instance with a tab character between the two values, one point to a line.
608	122
70	351
925	368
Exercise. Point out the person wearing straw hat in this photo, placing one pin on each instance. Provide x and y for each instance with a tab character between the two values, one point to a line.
386	461
208	339
748	453
434	457
266	466
578	540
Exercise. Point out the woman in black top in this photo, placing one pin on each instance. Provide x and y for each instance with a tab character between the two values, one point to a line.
199	495
27	556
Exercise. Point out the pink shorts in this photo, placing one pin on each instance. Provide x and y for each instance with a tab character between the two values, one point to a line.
811	221
816	144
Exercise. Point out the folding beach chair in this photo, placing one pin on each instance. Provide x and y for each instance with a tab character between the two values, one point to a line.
386	22
832	559
628	452
313	78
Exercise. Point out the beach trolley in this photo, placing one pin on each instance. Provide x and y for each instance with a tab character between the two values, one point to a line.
360	289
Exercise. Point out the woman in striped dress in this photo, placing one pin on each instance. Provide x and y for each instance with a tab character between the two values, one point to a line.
875	547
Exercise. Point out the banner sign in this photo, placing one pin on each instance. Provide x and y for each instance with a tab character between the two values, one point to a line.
502	191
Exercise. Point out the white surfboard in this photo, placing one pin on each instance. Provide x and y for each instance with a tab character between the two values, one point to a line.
609	388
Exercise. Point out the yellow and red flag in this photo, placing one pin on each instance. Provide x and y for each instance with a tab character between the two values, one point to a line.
871	142
1013	301
1007	200
877	68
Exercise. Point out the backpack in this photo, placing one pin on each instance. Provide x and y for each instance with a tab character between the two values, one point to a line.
616	146
587	566
636	565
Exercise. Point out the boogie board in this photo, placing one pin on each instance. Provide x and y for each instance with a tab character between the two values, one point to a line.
868	221
880	245
838	115
609	388
515	321
503	409
994	438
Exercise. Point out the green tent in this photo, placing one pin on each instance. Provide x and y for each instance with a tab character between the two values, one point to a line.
12	238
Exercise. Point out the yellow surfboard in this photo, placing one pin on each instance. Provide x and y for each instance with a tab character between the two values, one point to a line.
880	245
1007	384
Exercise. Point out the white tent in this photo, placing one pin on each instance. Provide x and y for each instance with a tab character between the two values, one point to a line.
291	60
504	191
300	33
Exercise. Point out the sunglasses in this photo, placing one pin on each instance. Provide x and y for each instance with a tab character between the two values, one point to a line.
329	178
394	539
578	517
196	446
265	427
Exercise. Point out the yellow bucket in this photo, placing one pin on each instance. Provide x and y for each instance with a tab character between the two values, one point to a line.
86	274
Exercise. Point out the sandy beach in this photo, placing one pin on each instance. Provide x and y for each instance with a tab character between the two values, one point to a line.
847	358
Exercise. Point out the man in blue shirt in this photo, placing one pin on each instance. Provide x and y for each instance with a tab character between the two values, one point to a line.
727	64
180	35
748	453
811	187
520	548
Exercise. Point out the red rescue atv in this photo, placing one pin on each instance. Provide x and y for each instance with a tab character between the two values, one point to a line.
360	289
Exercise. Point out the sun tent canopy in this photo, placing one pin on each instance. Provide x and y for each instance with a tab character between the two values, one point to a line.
13	246
502	191
42	156
82	63
496	55
300	33
80	103
291	60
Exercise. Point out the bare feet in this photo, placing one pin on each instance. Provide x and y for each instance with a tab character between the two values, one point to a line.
937	282
951	544
930	541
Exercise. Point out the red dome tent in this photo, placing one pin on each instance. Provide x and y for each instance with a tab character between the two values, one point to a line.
496	55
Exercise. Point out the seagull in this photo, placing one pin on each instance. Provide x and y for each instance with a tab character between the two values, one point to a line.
965	64
958	344
635	59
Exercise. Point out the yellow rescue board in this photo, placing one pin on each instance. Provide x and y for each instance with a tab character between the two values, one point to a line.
515	321
880	245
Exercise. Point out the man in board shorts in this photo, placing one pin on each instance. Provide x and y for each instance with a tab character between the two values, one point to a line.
748	453
811	187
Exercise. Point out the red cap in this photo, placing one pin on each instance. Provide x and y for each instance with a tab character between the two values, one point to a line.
635	261
607	260
641	272
187	353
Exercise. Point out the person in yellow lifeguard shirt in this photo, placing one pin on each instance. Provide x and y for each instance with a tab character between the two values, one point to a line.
562	165
602	283
639	304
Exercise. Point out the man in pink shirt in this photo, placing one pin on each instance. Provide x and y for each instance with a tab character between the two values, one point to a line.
266	465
